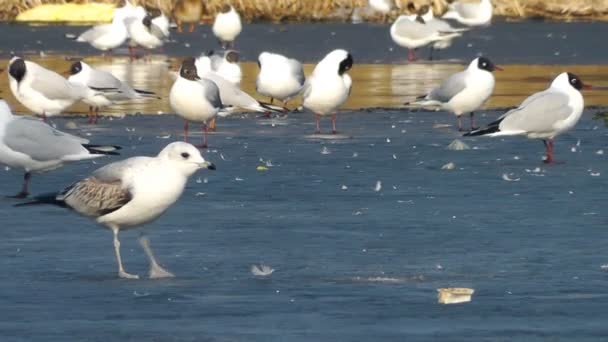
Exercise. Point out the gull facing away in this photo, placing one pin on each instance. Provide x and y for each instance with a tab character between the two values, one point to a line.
280	77
463	92
43	91
83	74
414	33
543	115
145	32
227	26
131	193
33	146
426	13
328	87
470	13
194	99
225	65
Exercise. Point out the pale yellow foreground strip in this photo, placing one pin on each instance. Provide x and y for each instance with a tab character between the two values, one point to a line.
92	12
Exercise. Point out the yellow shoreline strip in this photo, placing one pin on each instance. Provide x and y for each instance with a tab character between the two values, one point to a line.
93	12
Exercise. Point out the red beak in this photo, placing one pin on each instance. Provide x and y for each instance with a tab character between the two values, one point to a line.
587	86
498	68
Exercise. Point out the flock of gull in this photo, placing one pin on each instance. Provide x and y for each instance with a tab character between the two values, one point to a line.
118	195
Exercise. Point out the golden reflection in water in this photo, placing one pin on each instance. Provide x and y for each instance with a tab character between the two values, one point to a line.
374	85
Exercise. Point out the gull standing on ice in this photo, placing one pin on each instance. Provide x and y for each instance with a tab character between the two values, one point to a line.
470	13
280	77
463	92
43	91
426	13
328	87
131	193
225	65
227	26
414	33
84	74
543	115
33	146
194	99
145	32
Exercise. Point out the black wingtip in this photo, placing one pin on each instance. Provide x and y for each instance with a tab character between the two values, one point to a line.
109	150
482	131
49	198
273	108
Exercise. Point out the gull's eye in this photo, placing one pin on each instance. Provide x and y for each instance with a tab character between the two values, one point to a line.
185	155
573	80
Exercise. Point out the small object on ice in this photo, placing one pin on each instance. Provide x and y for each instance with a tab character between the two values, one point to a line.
454	295
573	149
355	154
439	267
163	136
71	125
458	145
187	45
536	170
200	194
449	166
325	150
344	187
388	140
262	168
441	125
378	186
238	179
205	180
70	36
604	267
262	270
199	180
394	156
595	174
7	168
506	177
600	152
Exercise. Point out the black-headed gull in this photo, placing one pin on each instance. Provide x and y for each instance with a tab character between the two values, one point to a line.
43	91
33	146
227	26
426	13
131	193
280	77
328	87
543	115
146	32
194	99
470	13
84	74
463	92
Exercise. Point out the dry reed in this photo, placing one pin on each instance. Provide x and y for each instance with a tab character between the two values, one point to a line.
316	10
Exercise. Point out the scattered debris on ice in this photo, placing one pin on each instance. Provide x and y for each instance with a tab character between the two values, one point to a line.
454	295
449	166
378	186
325	150
262	270
458	145
506	177
600	152
344	187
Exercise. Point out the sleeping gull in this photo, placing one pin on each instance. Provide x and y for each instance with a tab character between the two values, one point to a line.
84	74
33	146
145	32
280	77
132	192
194	99
470	13
225	65
328	87
463	92
543	115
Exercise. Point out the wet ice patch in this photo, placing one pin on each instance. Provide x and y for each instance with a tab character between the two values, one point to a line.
261	270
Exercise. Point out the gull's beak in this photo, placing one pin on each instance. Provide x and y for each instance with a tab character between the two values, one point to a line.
589	86
498	68
207	165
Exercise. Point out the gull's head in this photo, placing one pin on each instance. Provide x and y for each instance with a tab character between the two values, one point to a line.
482	63
567	81
79	67
231	56
226	8
185	157
188	69
339	61
16	68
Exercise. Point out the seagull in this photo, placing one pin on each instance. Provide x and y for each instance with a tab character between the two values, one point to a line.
382	6
33	146
463	92
329	86
43	91
470	13
543	115
280	77
227	26
130	193
414	33
194	99
83	74
187	11
225	65
145	33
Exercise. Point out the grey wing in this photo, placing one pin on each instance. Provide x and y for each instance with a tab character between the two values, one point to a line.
297	70
104	79
212	93
413	29
95	32
306	89
40	141
216	62
538	113
230	94
449	88
53	86
96	197
157	32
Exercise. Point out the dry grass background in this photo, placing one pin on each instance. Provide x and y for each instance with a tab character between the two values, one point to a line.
313	10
